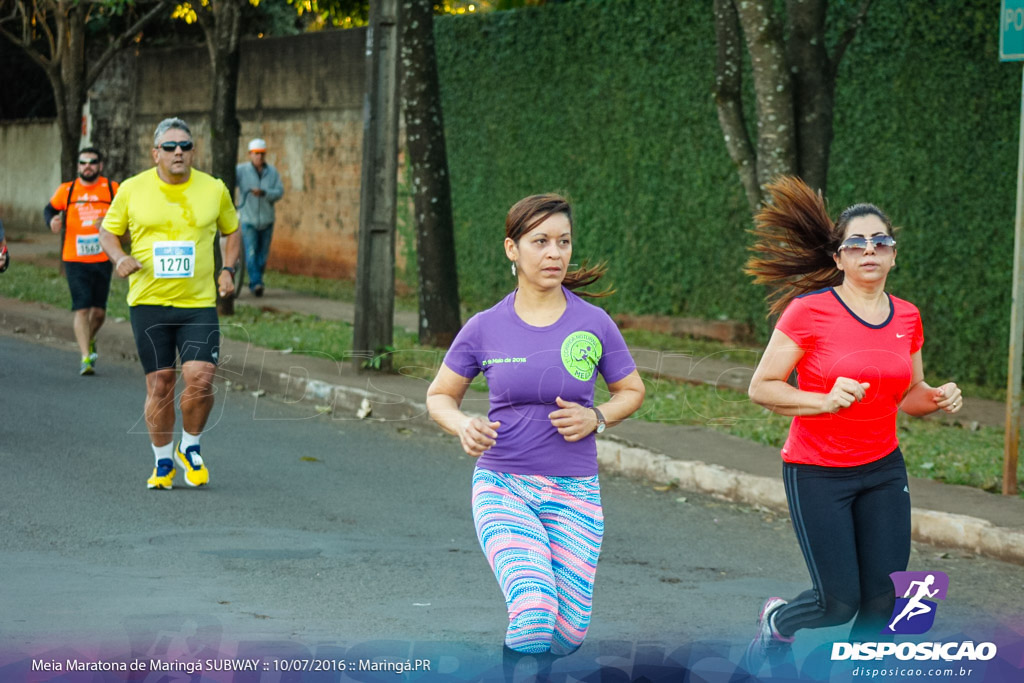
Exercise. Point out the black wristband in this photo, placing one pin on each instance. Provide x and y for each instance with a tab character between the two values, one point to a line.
229	269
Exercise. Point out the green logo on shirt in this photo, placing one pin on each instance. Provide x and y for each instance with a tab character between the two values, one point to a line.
581	352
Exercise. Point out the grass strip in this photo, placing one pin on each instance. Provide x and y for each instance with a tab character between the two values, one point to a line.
945	452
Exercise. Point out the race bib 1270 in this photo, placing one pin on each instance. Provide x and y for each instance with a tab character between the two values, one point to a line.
174	259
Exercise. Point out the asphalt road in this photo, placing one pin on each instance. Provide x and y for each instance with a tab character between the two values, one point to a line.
326	539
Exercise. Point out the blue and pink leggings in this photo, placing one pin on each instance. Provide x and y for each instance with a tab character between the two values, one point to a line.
542	536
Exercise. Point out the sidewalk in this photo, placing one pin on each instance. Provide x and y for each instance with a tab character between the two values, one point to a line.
693	457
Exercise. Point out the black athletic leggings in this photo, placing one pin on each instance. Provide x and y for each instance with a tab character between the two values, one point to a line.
853	525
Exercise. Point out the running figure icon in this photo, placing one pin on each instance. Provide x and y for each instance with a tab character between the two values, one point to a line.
915	605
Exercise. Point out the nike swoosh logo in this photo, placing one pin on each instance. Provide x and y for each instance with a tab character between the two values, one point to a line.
900	336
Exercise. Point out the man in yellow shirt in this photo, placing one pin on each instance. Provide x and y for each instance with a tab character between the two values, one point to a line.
174	214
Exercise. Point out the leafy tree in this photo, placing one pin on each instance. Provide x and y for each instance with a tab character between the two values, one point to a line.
794	76
332	13
73	40
221	23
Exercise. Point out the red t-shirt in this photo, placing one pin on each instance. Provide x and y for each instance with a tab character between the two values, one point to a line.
837	343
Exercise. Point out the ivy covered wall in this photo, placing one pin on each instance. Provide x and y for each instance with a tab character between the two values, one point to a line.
609	101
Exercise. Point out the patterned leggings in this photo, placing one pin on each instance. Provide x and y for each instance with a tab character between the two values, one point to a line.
542	536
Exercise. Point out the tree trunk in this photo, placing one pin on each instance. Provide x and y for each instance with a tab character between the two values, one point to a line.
439	319
70	134
794	86
221	26
813	88
776	127
729	98
70	98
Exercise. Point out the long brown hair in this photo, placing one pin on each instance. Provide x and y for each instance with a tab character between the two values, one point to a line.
529	212
796	240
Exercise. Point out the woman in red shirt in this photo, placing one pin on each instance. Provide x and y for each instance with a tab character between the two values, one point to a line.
857	353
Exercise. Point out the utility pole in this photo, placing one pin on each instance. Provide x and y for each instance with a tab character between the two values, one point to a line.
1011	49
375	270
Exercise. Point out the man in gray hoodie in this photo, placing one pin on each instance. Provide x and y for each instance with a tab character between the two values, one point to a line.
259	188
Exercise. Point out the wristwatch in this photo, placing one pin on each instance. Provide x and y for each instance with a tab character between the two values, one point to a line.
229	269
601	424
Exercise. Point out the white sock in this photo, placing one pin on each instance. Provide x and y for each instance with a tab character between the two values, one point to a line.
775	631
188	440
163	452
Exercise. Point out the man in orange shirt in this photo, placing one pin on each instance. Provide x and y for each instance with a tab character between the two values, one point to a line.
78	208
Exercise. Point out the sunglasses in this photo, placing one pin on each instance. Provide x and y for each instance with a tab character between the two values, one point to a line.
857	245
88	162
186	146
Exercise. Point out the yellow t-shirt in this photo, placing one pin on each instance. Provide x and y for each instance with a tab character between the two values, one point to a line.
174	232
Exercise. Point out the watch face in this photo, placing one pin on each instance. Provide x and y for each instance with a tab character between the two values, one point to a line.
600	427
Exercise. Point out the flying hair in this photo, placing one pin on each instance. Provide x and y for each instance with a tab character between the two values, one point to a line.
795	241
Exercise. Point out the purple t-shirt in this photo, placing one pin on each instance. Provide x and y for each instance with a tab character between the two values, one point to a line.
526	368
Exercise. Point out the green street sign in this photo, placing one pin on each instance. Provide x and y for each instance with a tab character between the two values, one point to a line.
1011	31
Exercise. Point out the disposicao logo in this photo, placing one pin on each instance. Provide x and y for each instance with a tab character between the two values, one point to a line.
914	613
915	608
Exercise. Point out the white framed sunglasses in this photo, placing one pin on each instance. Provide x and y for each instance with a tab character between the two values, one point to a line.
858	244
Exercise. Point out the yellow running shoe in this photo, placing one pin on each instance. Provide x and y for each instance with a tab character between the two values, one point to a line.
192	465
163	475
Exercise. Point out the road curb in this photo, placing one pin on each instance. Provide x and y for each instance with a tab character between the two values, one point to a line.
384	398
946	529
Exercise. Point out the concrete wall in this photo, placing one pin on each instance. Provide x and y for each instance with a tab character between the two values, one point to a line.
303	94
29	174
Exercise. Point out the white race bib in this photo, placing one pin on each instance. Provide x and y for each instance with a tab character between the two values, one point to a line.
87	245
174	259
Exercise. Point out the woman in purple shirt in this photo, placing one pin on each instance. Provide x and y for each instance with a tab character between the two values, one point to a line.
536	497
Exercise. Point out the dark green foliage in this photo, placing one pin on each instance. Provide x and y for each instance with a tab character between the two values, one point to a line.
926	127
609	101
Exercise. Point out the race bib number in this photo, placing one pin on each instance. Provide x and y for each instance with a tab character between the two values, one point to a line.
174	259
87	245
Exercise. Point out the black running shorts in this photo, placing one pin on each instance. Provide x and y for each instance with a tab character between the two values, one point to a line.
89	283
164	333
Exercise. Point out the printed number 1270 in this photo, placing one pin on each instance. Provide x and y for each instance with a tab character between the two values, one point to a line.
175	265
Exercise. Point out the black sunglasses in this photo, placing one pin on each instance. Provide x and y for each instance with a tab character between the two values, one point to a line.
88	162
186	145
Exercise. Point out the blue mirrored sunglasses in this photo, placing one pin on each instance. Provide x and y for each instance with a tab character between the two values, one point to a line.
857	245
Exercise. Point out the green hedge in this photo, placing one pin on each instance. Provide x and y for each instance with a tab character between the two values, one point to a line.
609	101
